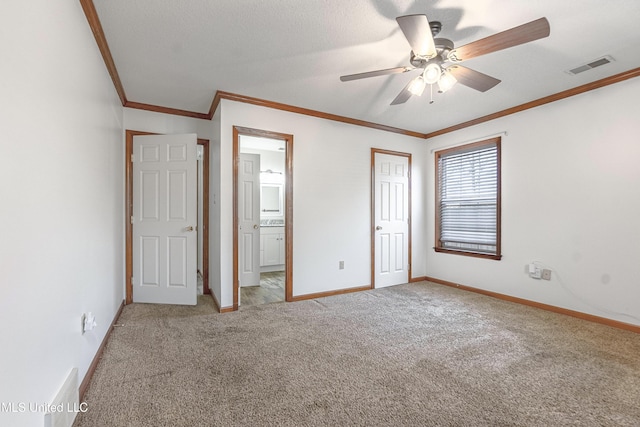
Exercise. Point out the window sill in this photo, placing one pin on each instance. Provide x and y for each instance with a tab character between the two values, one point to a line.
471	254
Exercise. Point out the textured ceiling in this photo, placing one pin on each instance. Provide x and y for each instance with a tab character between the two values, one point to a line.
177	54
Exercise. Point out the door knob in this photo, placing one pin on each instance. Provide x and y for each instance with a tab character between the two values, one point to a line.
378	228
255	226
189	228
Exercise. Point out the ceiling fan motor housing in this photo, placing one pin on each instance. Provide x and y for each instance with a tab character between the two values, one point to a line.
444	46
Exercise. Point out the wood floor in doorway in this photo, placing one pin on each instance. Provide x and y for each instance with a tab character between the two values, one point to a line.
271	289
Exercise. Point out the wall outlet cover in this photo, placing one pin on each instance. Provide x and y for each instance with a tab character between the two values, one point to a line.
535	272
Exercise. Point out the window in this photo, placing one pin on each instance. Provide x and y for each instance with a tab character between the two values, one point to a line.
468	199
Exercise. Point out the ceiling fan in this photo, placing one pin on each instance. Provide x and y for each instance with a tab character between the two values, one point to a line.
439	59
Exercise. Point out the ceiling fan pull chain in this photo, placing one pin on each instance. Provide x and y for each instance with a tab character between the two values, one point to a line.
431	90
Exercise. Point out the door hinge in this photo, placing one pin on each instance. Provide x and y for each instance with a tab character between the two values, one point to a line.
131	219
133	158
133	280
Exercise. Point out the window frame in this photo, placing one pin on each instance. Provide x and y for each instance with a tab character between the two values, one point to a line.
463	149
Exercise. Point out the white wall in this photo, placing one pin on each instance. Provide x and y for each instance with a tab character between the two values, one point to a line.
215	265
570	200
331	191
61	200
269	160
150	121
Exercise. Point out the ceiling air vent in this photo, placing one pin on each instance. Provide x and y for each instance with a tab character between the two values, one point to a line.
593	64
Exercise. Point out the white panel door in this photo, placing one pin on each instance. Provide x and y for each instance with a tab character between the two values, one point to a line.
164	219
249	221
391	220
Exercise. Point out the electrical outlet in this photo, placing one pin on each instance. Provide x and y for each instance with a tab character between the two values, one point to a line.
88	322
341	265
535	272
546	274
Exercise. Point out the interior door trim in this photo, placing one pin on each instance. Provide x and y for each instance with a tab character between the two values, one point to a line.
128	177
373	212
288	207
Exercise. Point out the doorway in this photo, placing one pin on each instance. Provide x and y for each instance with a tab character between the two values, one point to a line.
203	221
263	209
391	218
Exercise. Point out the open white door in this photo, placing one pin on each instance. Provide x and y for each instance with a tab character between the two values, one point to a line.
391	219
164	219
249	221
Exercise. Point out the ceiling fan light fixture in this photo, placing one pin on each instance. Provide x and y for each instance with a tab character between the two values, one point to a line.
417	86
432	73
447	81
428	54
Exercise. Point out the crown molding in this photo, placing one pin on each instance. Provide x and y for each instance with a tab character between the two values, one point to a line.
96	27
616	78
305	111
98	33
167	110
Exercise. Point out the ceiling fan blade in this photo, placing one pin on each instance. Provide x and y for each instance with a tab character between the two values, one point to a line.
472	78
403	96
375	73
418	33
525	33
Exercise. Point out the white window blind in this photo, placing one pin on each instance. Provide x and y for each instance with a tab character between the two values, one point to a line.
468	196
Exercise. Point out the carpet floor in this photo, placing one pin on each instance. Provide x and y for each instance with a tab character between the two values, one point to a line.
411	355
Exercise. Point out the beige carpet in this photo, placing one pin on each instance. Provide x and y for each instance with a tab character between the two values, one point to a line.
410	355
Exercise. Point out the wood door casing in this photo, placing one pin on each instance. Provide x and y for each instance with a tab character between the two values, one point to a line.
128	177
288	207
